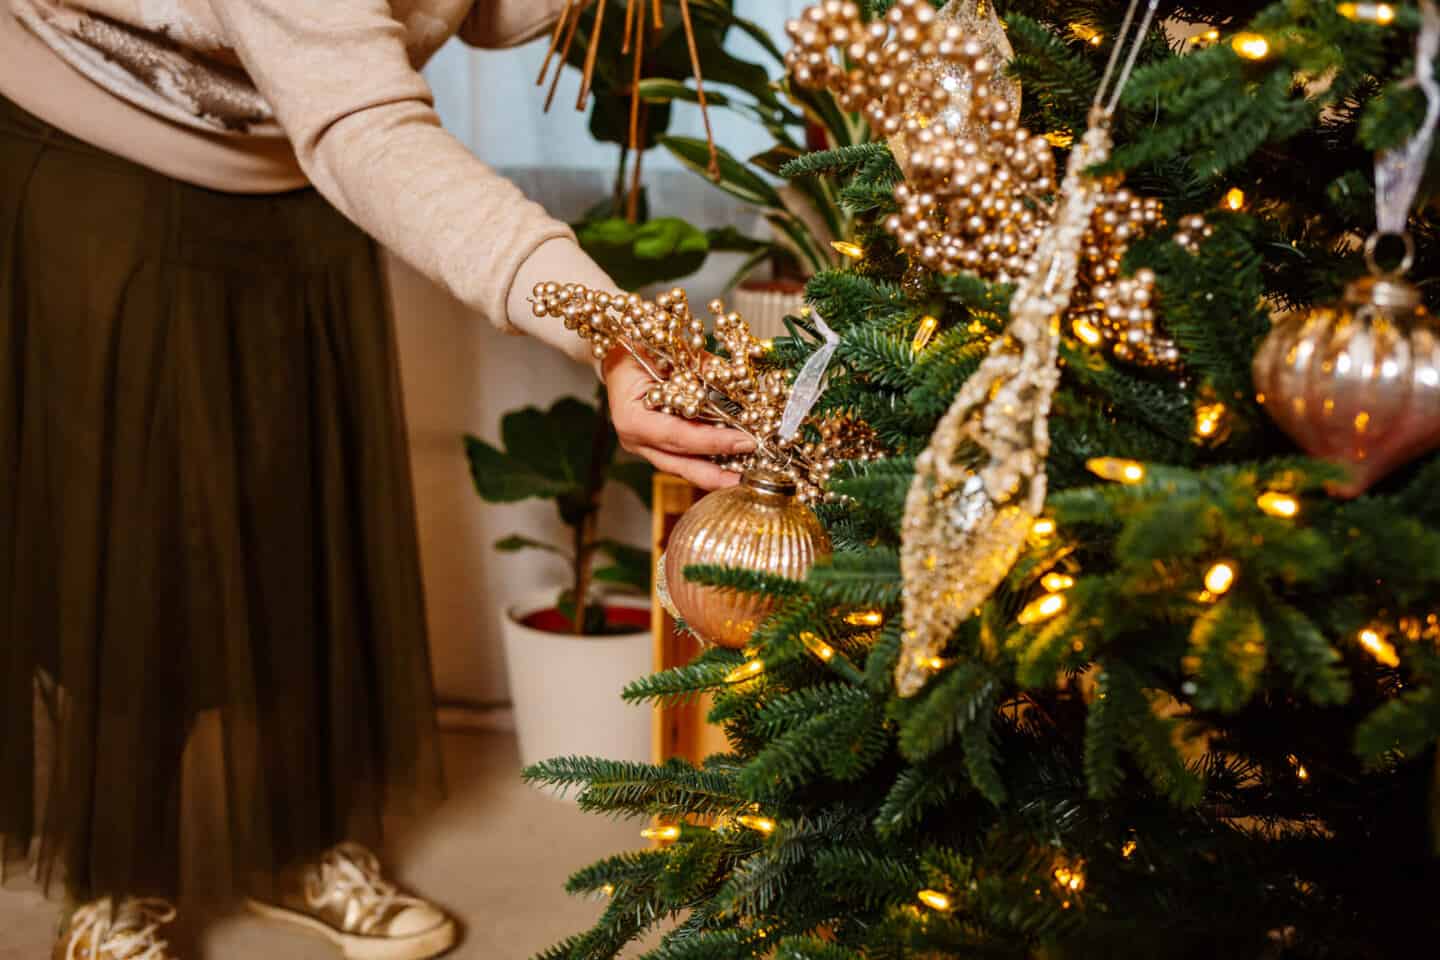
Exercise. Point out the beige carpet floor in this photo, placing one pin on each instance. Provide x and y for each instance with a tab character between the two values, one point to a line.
496	855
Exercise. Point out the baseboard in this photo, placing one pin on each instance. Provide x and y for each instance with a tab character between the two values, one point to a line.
476	717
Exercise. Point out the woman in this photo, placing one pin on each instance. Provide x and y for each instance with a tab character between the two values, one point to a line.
205	505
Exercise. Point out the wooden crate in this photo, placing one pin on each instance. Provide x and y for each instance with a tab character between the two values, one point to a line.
679	731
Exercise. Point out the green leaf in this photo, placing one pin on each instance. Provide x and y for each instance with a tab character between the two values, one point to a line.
610	120
730	240
775	159
502	479
636	476
726	17
664	89
736	179
798	233
670	237
555	443
719	66
516	543
748	266
768	112
595	624
645	254
612	207
632	567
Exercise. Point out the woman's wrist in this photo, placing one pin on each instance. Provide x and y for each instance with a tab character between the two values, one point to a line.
558	260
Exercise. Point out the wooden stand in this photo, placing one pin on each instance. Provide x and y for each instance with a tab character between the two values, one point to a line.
681	730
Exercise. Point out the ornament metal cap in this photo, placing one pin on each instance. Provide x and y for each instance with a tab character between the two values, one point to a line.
769	480
1389	292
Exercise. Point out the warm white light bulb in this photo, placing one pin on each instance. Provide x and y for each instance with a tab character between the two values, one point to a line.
934	899
1220	578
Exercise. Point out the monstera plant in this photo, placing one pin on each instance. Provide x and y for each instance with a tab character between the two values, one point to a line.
567	455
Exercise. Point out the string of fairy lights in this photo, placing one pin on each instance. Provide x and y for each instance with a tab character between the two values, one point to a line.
1218	580
1211	424
1211	419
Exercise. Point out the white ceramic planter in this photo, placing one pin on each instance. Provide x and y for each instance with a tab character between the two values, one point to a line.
766	310
566	689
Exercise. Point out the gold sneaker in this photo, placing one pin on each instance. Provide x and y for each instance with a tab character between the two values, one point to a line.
105	930
345	898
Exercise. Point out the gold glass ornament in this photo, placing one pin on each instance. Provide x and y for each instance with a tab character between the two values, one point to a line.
1357	382
757	525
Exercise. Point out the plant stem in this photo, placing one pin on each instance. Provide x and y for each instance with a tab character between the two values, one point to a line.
632	200
618	199
584	532
600	442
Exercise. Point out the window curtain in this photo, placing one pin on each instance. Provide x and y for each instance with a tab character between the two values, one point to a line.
461	375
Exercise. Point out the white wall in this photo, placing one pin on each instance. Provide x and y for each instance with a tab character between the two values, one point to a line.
462	375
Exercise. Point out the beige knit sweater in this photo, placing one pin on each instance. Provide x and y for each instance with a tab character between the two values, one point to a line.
262	95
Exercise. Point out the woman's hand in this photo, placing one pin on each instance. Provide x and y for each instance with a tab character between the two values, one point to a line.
673	444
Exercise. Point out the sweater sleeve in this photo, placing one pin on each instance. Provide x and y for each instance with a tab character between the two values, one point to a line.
364	128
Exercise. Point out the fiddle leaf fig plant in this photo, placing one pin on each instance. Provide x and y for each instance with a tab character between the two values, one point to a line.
567	454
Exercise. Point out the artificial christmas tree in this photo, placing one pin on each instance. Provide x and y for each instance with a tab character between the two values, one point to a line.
1193	714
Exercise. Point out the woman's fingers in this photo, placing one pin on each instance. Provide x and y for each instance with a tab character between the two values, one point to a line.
662	431
639	426
702	473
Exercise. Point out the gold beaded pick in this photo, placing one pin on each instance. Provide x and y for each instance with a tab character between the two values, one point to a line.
740	389
977	188
981	482
978	20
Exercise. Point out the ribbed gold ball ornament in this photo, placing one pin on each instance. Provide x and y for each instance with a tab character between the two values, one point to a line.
759	524
1357	382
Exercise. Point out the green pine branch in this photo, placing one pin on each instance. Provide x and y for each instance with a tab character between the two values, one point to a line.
837	161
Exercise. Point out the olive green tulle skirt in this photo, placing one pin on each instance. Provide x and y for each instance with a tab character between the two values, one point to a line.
206	524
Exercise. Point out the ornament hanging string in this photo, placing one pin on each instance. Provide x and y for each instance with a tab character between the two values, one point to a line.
1398	172
1139	41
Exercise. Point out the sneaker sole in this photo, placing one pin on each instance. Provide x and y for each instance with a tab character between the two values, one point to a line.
420	946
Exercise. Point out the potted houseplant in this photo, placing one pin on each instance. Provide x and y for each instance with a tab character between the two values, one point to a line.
570	650
804	214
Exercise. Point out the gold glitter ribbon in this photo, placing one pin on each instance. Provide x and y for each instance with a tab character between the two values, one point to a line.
981	482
